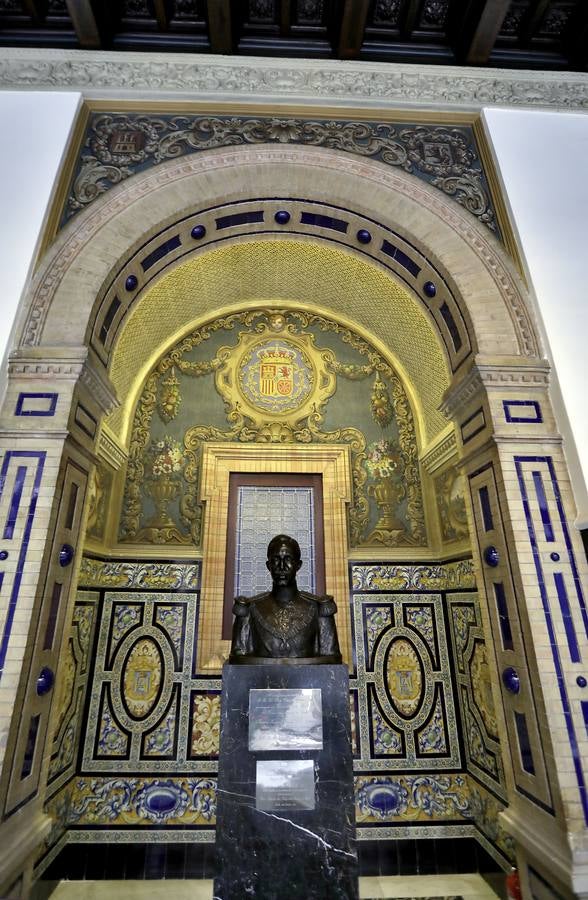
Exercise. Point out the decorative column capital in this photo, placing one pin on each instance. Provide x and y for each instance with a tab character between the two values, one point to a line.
494	373
65	364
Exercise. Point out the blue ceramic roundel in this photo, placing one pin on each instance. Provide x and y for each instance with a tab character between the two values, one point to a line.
66	554
491	556
511	680
383	798
161	800
45	681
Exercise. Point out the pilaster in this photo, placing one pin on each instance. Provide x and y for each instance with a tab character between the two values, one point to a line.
49	424
534	575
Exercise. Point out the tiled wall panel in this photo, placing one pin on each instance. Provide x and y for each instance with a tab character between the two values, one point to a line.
563	604
150	741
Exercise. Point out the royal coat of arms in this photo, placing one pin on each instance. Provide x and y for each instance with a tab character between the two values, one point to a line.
276	372
276	376
274	380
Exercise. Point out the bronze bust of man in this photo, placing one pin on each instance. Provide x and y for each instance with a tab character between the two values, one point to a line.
284	624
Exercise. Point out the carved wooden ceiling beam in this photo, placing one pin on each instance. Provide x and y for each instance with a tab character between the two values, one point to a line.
162	11
351	35
36	9
85	25
480	26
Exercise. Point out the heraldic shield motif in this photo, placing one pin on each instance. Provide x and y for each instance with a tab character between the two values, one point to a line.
274	375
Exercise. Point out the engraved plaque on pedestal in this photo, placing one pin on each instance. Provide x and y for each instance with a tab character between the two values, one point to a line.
285	719
284	785
285	822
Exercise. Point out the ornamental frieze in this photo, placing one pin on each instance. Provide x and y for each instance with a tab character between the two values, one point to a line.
118	145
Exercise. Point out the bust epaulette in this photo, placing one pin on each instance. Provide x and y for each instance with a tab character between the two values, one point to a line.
327	606
241	605
310	598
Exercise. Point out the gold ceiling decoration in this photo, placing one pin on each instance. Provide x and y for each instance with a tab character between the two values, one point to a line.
292	273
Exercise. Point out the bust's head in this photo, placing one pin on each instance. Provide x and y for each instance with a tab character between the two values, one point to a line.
284	539
283	560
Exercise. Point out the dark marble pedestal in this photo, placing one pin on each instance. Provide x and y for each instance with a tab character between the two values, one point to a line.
285	814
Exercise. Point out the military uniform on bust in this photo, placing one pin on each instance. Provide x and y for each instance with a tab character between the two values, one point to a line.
303	627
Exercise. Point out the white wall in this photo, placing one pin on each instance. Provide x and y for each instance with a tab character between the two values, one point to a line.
542	159
33	136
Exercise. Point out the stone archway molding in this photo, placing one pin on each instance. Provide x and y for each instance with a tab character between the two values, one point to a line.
484	281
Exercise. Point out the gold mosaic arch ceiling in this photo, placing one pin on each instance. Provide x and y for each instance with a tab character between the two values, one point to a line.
280	219
296	274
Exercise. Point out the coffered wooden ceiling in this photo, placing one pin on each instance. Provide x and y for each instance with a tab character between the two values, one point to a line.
530	34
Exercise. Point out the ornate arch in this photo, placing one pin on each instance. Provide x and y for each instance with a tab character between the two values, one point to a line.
89	254
498	398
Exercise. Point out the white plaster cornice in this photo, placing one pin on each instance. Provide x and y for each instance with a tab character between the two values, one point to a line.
153	76
542	838
459	394
100	387
20	839
440	453
110	449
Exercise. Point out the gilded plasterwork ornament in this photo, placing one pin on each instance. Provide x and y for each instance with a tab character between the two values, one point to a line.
169	397
382	409
281	379
117	145
385	470
482	687
99	488
270	378
163	483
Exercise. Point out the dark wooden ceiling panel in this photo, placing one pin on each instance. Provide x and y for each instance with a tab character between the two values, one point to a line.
408	31
289	27
162	25
433	17
532	34
36	23
474	27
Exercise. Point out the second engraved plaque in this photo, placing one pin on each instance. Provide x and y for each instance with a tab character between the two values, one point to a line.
284	719
284	784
